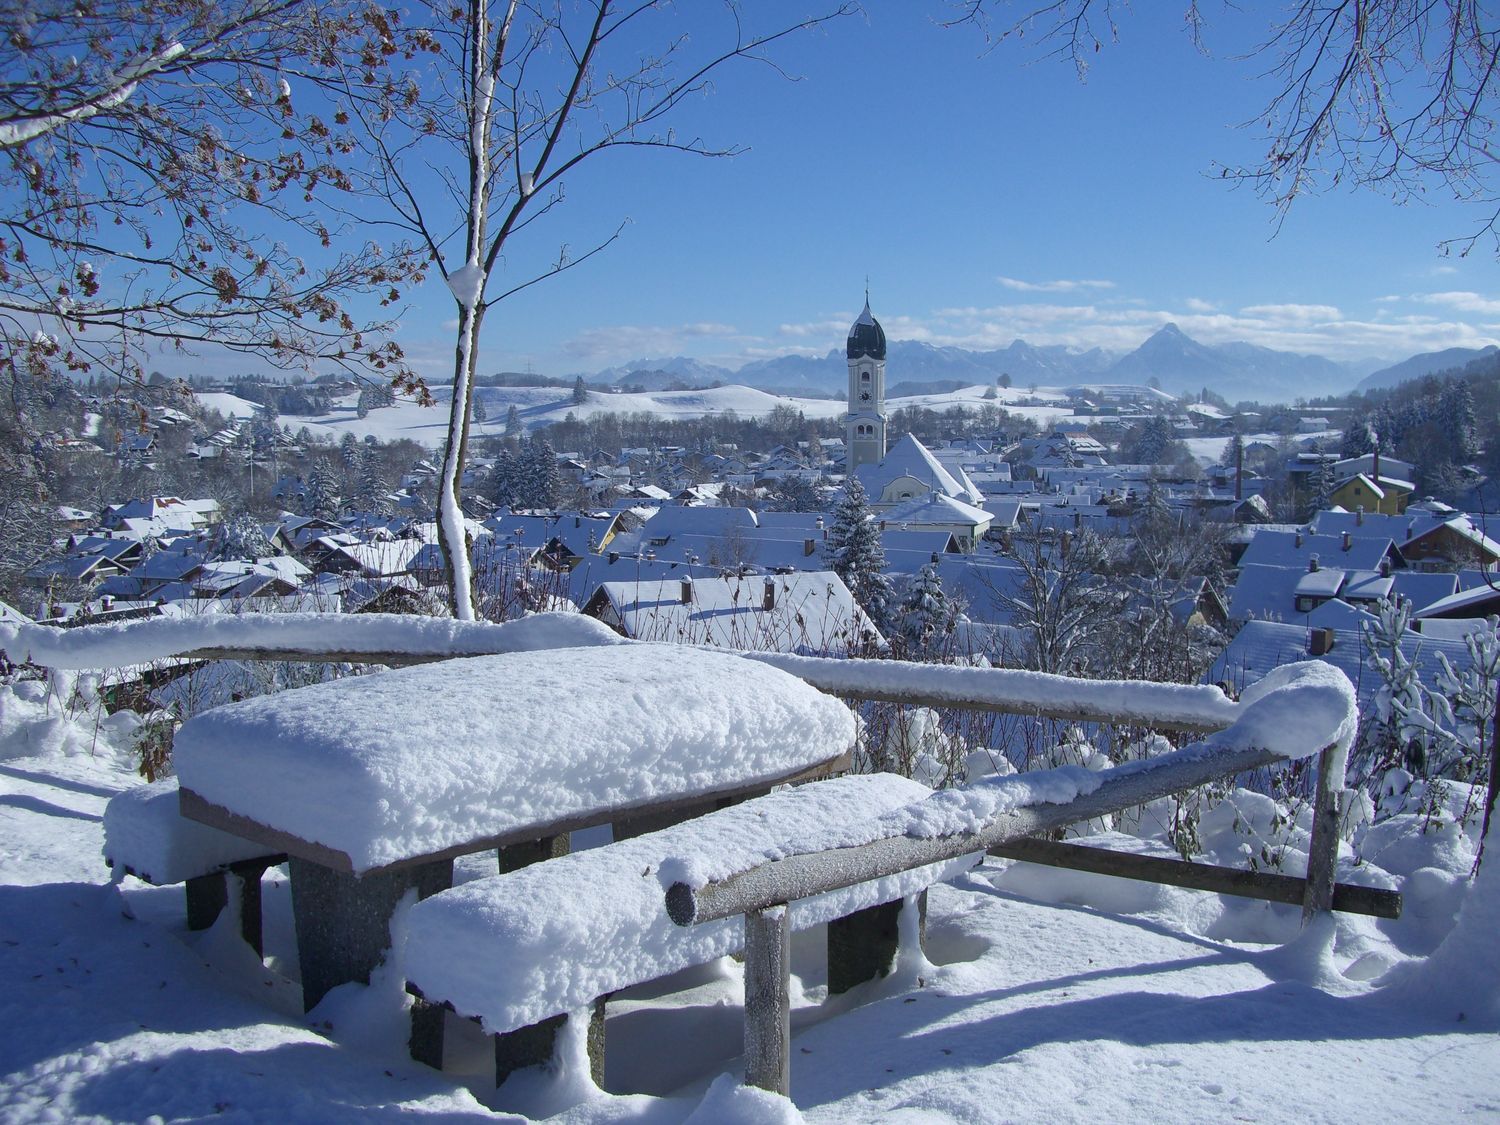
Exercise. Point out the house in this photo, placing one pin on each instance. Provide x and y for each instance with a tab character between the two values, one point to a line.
1388	495
1455	541
812	613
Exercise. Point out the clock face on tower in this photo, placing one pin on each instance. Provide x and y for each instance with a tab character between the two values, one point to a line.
864	396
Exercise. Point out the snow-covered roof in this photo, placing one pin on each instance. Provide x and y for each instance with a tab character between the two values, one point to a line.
936	509
1294	549
1262	646
910	458
811	612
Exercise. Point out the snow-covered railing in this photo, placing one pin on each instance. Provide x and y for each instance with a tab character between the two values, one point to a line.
1181	707
376	638
1296	712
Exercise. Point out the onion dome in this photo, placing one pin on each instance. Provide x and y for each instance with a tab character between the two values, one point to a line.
866	337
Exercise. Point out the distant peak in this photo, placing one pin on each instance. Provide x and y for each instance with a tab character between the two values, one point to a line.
1170	329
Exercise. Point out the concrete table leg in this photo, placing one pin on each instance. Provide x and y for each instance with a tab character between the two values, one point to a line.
536	1044
863	945
343	921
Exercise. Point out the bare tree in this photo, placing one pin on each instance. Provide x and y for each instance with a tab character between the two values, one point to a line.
1384	94
163	187
1057	595
502	101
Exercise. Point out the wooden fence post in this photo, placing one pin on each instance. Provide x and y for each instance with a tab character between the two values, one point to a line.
1323	850
768	999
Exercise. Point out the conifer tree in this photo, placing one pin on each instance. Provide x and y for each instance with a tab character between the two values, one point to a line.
854	553
927	614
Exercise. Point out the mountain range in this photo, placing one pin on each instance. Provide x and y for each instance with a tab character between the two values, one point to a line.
1174	360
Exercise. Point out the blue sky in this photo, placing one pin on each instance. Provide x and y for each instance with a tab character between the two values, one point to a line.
986	195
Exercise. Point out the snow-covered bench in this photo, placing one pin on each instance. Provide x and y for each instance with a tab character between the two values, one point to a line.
373	785
524	951
146	836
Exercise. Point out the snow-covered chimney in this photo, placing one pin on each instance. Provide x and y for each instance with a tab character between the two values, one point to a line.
1359	516
1312	564
1385	568
107	602
768	599
1348	540
687	591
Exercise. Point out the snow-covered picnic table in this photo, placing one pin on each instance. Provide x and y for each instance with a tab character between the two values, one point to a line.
373	785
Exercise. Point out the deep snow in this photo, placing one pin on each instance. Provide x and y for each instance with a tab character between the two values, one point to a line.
1055	995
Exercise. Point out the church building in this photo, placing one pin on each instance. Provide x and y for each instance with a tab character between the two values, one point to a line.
908	487
865	424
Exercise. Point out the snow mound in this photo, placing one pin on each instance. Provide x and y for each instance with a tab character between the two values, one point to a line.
144	832
411	762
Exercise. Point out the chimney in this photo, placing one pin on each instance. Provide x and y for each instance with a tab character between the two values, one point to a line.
768	601
1375	463
1312	564
1298	541
687	591
1359	516
107	603
1077	519
1348	540
808	546
1385	567
577	521
1319	642
1239	472
614	557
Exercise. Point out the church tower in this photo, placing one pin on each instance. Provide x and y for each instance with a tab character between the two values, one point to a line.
865	425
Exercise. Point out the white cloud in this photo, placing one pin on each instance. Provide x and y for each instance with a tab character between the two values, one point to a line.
1198	305
1461	301
621	342
1293	314
1052	286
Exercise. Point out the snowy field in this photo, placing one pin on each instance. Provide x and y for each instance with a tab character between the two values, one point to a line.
1054	997
541	406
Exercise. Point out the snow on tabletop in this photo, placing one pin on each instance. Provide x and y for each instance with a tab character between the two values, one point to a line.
105	646
585	924
144	832
1014	689
414	761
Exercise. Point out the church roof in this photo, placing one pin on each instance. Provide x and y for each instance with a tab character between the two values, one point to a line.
866	337
910	458
935	508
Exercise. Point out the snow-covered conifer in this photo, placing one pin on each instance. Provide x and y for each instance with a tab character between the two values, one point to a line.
854	553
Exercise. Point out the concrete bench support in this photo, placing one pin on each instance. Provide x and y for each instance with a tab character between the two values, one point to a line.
208	895
513	857
343	920
863	945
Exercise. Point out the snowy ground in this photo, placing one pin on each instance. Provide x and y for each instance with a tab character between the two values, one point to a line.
1056	997
541	406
